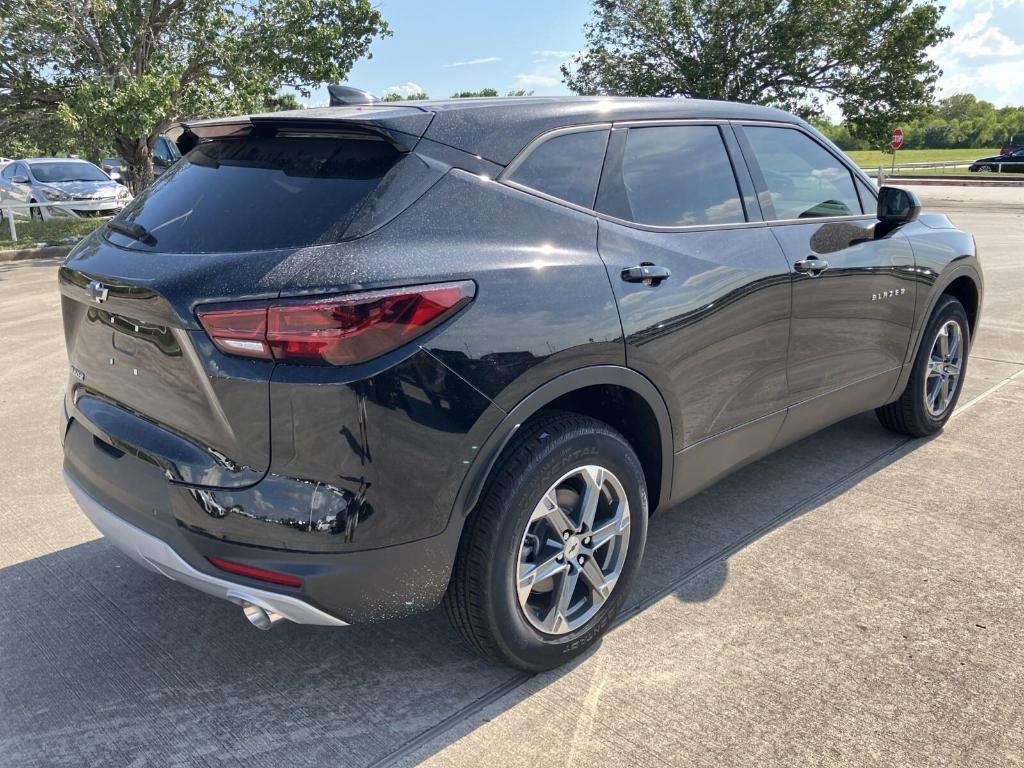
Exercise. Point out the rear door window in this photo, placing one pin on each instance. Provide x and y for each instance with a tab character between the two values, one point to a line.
259	193
673	176
802	179
567	166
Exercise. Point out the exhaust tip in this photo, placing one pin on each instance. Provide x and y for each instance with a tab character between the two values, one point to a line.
260	617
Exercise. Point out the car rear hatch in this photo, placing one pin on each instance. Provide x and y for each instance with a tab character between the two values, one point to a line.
220	227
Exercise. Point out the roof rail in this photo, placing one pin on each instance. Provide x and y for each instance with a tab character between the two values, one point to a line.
346	95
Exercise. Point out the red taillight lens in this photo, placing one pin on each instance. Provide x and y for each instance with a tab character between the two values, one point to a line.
273	577
341	330
238	330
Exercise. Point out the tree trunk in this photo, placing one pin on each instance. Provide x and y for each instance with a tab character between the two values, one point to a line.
137	155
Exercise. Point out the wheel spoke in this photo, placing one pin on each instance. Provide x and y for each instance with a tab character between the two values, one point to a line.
557	619
609	530
539	572
600	586
594	478
553	513
943	344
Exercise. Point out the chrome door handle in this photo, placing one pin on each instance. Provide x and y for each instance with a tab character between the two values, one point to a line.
812	266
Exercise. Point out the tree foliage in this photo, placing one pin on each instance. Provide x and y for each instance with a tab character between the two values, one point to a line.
116	73
417	96
867	56
961	121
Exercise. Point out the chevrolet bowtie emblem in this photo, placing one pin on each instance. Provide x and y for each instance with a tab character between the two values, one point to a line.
97	291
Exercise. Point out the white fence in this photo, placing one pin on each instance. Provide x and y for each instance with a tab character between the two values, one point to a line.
9	207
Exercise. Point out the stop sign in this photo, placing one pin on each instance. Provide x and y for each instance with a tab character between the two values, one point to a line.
897	138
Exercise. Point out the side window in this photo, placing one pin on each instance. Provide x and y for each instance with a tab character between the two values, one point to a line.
802	179
160	151
567	167
8	172
20	169
868	196
673	176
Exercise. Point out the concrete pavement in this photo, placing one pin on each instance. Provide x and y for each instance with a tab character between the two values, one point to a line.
868	612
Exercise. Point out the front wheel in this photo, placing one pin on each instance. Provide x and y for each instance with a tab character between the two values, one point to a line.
937	377
550	553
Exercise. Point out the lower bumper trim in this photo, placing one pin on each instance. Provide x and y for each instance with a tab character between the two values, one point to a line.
158	556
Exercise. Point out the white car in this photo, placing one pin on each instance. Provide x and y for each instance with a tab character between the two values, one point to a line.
86	189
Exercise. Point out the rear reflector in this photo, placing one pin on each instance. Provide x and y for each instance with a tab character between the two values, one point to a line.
256	573
340	330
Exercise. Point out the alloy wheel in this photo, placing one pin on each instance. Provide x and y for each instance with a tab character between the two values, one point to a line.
944	365
573	550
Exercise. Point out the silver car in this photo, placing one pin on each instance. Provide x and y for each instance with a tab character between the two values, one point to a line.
83	187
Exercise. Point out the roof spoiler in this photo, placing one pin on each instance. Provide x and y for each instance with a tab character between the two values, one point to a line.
347	96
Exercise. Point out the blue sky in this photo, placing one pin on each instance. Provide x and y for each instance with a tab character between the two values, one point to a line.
443	46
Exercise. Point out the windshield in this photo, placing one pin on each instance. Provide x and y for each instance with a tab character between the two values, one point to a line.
258	193
49	173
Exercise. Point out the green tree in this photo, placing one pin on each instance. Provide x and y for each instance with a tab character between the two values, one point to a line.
418	96
868	56
475	94
119	72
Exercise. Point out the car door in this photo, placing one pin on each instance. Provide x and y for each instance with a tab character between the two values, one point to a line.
19	191
853	277
702	288
1016	162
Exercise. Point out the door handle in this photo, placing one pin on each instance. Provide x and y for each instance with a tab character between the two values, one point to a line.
646	273
812	266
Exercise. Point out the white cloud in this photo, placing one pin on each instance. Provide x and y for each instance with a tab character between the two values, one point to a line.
473	62
405	89
531	80
549	54
984	55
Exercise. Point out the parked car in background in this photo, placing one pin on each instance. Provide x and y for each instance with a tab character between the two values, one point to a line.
1008	162
90	191
165	154
348	363
112	167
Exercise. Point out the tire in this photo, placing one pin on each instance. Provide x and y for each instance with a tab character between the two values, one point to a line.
914	413
35	214
504	539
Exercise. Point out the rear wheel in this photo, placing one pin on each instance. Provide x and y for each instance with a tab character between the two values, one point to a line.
550	553
936	380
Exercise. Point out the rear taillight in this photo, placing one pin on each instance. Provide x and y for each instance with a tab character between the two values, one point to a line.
340	330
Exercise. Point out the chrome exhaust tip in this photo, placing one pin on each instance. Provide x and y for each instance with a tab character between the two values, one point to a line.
260	617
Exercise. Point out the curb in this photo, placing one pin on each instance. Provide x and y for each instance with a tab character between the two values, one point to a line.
46	252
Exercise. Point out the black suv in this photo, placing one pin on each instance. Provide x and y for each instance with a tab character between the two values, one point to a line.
340	365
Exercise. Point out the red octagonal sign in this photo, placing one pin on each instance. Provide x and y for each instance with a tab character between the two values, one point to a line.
897	138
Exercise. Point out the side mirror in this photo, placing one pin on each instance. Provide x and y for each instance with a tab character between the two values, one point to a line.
20	179
897	205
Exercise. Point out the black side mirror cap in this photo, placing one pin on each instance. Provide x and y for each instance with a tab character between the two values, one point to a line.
897	205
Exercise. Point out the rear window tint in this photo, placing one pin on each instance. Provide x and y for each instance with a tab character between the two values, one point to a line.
259	194
567	167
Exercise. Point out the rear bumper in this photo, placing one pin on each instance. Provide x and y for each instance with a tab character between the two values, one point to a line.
156	555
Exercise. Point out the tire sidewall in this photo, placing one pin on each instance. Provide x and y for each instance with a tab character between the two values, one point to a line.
518	638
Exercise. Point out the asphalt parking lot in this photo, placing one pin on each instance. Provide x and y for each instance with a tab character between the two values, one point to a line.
870	612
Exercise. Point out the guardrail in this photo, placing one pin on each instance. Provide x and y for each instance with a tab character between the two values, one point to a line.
894	170
9	207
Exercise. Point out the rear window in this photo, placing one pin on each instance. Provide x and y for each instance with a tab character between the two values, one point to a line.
259	193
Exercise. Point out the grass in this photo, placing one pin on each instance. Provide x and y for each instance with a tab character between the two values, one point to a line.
53	231
872	159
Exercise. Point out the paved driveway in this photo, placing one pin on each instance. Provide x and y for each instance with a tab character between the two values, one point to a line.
853	600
